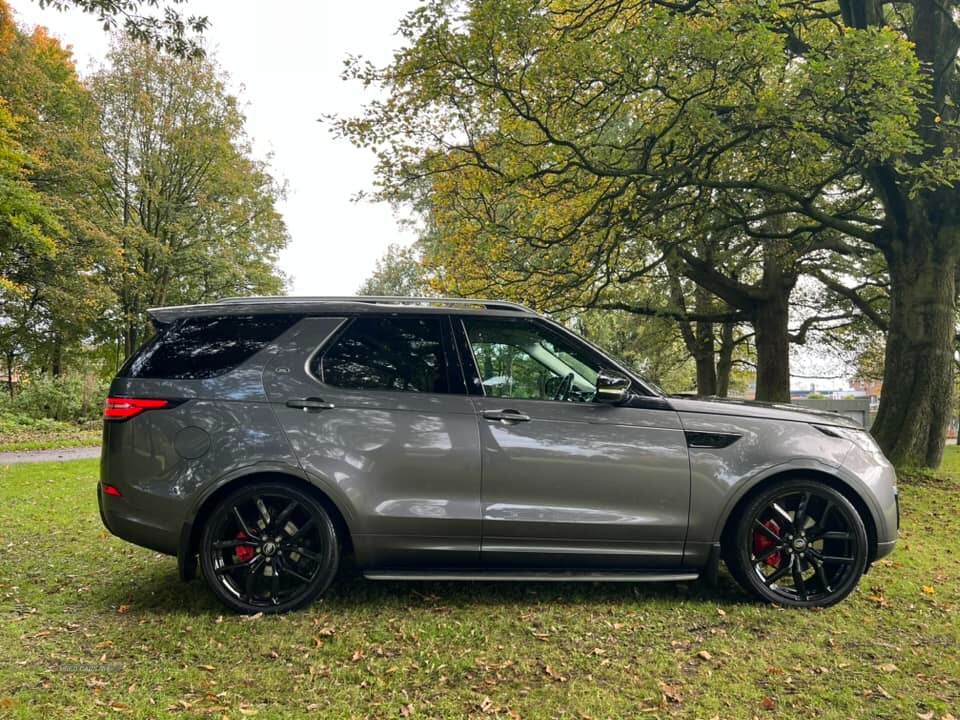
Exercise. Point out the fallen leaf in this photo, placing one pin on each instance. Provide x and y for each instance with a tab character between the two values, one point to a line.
249	618
928	590
406	710
887	667
208	668
357	655
926	715
704	655
768	703
554	674
123	609
670	693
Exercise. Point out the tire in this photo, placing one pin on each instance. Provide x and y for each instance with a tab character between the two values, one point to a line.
269	548
799	543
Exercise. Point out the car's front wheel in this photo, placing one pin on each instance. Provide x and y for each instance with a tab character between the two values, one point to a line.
270	548
799	543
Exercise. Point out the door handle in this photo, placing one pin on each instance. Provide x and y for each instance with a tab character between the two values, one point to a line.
311	403
506	416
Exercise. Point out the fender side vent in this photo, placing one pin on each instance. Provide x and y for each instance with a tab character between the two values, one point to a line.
710	440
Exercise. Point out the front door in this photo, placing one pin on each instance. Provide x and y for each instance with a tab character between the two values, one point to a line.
375	408
569	482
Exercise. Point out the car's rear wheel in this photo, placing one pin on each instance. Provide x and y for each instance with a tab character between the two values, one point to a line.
268	548
799	543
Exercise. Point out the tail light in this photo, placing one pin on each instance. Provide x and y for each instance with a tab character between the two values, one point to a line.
123	408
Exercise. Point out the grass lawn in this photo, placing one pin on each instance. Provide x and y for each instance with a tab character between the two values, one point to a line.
94	627
22	433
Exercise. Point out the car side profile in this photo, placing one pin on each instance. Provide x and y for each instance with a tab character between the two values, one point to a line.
260	439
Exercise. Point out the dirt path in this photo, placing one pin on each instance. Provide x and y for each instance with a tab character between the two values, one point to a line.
57	455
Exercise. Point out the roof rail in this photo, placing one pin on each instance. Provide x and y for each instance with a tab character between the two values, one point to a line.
380	300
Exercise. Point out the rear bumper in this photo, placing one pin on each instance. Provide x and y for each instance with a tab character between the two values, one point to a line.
124	522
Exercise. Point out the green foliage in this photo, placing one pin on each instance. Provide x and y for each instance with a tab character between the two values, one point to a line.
136	189
72	398
398	273
195	214
168	32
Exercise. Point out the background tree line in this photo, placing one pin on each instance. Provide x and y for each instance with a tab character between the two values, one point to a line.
132	187
760	174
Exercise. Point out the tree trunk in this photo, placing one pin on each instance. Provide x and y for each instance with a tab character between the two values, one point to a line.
56	356
771	325
705	351
10	358
915	405
725	359
706	370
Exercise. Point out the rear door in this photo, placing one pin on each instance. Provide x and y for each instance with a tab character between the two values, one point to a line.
569	482
375	409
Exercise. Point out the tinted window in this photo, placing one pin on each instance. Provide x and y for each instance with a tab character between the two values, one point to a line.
379	353
196	348
525	360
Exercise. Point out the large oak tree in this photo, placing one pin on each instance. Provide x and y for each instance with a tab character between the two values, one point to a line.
582	126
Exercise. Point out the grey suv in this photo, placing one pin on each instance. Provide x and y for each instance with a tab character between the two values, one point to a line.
468	440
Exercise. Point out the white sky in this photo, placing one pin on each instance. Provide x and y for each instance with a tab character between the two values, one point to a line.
285	64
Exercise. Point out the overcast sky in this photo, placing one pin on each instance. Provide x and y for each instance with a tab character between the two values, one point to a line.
285	65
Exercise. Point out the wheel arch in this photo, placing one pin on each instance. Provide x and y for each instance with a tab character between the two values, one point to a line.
193	526
728	522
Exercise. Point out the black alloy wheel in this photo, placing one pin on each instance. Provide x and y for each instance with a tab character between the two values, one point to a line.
801	544
269	548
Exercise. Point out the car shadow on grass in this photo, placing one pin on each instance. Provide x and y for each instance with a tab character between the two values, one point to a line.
159	591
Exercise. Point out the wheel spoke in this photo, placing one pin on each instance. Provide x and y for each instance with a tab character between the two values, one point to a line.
822	576
767	553
263	511
783	514
284	514
297	575
776	575
798	582
837	559
768	532
237	542
302	529
800	516
235	566
818	530
275	584
243	523
835	535
250	586
308	554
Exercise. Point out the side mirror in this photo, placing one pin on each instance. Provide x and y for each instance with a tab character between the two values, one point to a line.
612	387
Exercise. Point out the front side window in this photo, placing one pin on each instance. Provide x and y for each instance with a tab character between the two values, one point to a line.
388	353
524	360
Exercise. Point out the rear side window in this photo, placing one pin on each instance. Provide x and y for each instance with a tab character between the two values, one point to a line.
389	353
198	348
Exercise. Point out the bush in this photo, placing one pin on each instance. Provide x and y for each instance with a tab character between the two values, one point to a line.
69	398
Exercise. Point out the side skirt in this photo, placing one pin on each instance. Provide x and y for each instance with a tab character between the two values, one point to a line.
513	576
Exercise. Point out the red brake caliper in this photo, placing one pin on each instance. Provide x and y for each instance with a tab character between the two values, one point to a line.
762	543
243	553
